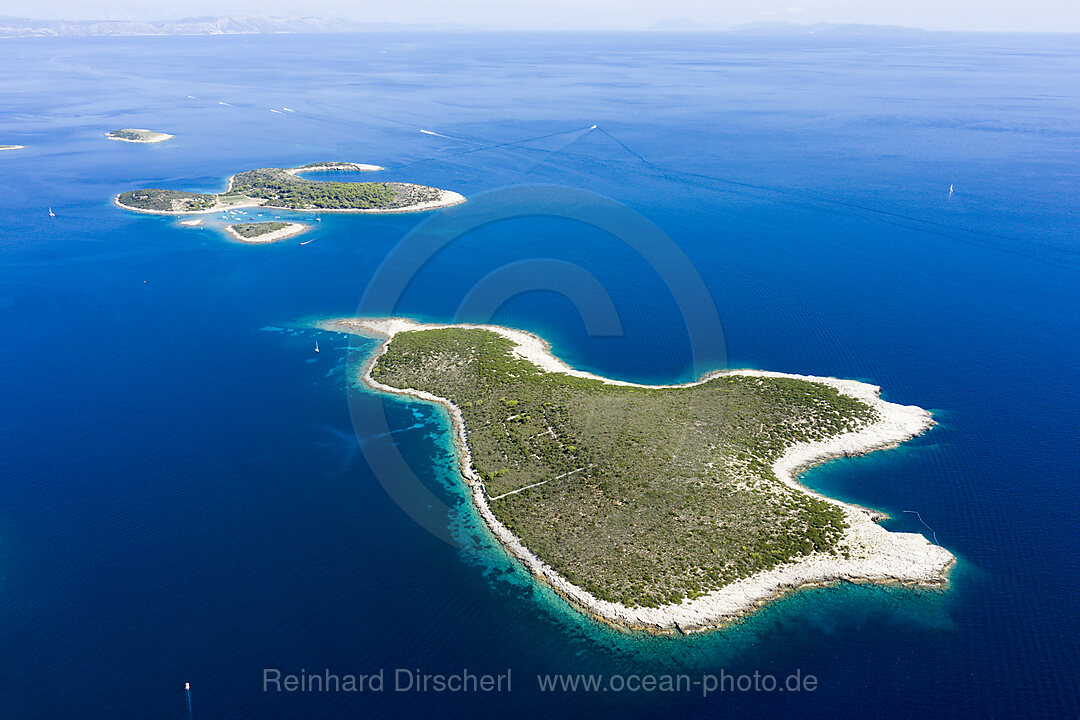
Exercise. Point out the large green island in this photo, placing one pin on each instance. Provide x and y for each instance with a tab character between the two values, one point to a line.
660	508
283	188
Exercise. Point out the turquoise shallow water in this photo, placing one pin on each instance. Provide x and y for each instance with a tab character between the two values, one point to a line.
183	495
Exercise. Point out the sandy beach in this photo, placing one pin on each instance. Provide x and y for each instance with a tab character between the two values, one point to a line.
877	555
291	230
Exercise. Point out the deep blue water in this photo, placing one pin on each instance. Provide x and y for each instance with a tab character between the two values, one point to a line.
181	497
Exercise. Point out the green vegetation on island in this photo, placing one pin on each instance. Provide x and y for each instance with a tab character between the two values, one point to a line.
159	200
126	134
280	188
137	135
643	496
330	165
250	231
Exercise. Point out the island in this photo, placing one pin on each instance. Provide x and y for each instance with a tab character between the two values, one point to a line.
332	166
666	508
138	135
282	188
264	232
11	147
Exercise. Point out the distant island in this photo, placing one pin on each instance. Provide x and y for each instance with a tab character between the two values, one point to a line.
11	147
138	135
264	232
240	25
232	25
332	166
281	188
670	508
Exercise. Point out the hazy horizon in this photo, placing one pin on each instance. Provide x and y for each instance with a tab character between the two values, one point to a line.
961	15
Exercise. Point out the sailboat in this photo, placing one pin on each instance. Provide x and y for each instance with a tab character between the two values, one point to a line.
51	213
950	189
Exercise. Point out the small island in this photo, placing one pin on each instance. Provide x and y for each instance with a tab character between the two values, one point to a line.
281	188
332	166
669	508
138	135
264	232
11	147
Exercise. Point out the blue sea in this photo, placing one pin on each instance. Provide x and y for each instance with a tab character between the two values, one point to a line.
188	493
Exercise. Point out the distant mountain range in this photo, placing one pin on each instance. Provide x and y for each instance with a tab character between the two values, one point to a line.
24	27
785	28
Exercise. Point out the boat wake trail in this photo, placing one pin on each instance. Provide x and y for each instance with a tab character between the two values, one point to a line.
487	147
627	148
1001	242
448	137
561	150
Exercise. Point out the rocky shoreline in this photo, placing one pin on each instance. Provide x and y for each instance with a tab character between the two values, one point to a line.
876	554
290	230
414	192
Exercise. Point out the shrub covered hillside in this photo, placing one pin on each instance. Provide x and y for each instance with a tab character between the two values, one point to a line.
643	496
274	187
280	189
257	229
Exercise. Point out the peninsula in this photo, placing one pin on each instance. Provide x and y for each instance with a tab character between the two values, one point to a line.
282	188
264	232
668	508
138	135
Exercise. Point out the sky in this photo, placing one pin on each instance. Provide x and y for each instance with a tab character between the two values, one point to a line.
983	15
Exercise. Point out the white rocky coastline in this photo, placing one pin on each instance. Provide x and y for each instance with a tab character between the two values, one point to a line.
446	198
339	167
876	555
290	230
146	136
